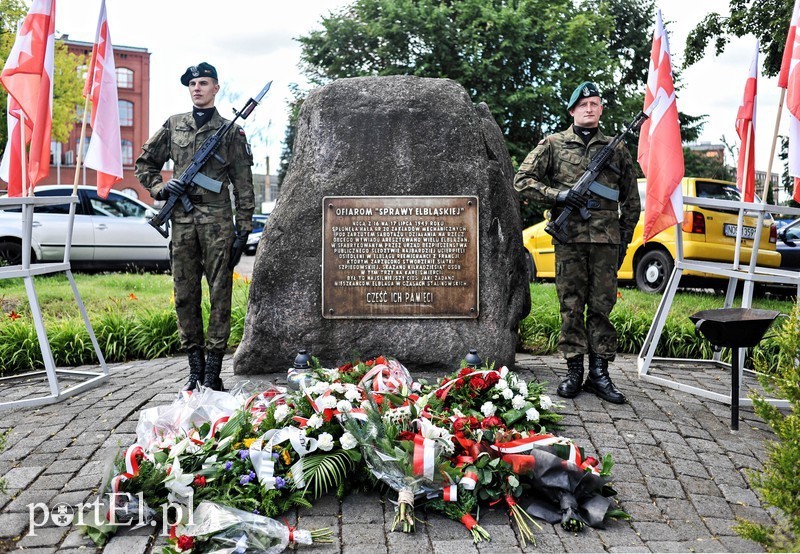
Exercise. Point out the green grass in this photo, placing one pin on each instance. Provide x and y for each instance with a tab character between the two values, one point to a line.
633	315
132	315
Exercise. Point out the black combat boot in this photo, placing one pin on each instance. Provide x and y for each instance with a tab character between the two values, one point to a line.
599	383
571	386
213	369
197	369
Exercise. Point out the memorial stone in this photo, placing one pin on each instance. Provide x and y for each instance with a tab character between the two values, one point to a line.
397	232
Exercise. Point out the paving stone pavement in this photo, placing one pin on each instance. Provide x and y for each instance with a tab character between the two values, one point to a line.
680	472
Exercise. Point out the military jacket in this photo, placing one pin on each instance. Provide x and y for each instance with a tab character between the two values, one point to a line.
178	140
556	164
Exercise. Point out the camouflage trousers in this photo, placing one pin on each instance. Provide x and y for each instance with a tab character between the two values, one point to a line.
586	283
199	250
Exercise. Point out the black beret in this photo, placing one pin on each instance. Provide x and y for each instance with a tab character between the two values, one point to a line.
203	69
584	90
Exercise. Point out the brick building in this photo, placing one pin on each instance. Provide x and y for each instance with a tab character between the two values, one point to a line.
133	90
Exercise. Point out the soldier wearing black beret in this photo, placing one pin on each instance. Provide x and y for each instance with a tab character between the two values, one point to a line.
202	238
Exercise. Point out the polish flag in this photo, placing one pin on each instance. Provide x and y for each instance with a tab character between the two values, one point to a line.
105	148
746	129
660	149
28	78
789	78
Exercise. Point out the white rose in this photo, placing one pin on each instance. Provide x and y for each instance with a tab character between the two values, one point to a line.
344	406
348	441
281	413
488	409
320	387
545	402
508	394
325	442
337	387
326	402
518	402
532	414
315	422
352	394
502	384
522	387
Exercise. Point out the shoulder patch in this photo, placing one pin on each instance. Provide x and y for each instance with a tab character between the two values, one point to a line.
241	132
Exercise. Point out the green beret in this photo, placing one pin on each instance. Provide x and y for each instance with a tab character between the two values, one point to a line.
203	69
584	90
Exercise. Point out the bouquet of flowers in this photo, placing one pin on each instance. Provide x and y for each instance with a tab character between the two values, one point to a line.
230	530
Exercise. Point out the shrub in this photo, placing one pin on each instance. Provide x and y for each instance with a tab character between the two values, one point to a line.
778	482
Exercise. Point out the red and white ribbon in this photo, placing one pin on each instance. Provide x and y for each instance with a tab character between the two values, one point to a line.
469	480
424	456
450	494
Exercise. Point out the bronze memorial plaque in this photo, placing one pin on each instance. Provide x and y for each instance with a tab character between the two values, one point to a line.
400	256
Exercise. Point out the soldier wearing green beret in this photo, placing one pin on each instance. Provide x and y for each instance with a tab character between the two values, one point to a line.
202	239
587	265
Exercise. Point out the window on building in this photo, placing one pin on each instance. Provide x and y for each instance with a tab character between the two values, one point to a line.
125	113
124	77
127	152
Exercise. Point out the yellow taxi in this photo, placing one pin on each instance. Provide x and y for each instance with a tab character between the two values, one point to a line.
708	235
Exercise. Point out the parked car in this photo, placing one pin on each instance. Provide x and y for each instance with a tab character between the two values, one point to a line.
259	221
108	233
789	245
708	235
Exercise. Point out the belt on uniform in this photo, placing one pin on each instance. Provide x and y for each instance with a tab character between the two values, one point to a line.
198	198
601	204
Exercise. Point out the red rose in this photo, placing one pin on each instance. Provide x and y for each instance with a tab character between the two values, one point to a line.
199	481
459	383
493	421
491	379
369	363
185	542
405	436
465	371
440	393
474	423
346	368
381	360
478	383
459	424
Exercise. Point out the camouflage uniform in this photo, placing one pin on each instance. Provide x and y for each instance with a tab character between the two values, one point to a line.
202	238
586	266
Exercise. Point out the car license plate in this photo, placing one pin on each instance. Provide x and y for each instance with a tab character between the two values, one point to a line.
747	232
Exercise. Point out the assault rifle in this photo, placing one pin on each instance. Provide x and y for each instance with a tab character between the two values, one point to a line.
191	175
587	185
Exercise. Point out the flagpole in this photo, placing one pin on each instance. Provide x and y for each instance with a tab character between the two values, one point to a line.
23	161
80	146
774	142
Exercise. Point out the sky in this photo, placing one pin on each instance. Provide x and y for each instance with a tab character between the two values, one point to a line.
252	42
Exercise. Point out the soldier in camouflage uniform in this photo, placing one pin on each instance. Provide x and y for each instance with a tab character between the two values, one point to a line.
204	239
586	266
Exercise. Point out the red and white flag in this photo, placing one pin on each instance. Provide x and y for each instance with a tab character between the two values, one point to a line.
789	78
746	129
28	78
105	149
660	147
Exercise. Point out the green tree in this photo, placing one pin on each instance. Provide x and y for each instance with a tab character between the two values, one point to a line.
698	165
67	79
522	57
768	20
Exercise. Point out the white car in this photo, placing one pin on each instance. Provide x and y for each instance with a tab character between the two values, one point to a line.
110	233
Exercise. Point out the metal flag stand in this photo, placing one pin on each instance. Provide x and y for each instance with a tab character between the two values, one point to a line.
750	275
27	272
